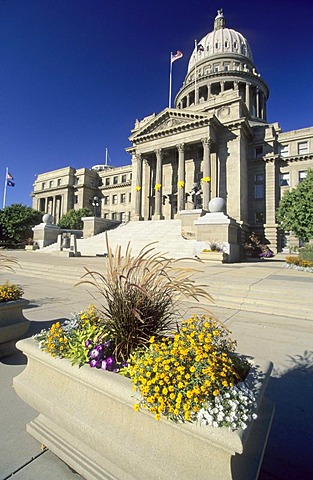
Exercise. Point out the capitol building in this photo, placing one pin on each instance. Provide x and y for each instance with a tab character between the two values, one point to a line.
214	142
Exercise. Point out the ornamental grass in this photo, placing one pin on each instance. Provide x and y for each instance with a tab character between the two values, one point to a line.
7	263
141	296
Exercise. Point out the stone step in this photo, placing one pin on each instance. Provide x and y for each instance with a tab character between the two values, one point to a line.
165	235
239	296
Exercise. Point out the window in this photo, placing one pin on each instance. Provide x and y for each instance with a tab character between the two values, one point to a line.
303	148
123	197
123	178
51	184
107	181
259	186
59	182
115	180
114	216
215	68
302	175
284	179
129	197
122	217
106	200
284	150
226	68
216	44
43	185
258	152
259	217
106	216
76	199
76	180
114	199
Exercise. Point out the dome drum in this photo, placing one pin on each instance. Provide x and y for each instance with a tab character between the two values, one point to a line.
222	61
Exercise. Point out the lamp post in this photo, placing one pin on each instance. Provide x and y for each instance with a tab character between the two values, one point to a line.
95	204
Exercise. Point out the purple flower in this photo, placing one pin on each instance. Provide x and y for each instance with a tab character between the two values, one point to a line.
110	363
95	363
106	344
94	353
104	365
87	343
99	348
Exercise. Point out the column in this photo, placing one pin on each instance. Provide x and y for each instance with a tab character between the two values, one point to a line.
257	101
209	91
137	159
270	226
206	172
248	96
222	86
158	186
181	177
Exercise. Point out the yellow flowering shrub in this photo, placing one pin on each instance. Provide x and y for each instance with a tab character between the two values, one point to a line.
176	375
69	339
10	291
295	260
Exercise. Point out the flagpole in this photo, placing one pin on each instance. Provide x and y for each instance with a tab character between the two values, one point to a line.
196	51
170	86
5	186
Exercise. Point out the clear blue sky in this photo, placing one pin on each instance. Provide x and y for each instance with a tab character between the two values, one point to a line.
75	74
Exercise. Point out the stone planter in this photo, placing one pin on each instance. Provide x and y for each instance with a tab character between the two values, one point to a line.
211	256
13	324
87	419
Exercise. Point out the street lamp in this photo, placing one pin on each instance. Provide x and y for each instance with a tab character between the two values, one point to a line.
95	204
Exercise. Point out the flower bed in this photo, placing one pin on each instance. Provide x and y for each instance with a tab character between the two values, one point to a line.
186	374
88	420
13	324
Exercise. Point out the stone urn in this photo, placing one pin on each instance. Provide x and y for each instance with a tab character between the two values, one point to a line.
13	325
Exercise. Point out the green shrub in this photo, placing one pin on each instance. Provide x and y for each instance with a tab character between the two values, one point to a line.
306	253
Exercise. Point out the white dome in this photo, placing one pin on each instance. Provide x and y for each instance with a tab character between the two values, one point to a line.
221	41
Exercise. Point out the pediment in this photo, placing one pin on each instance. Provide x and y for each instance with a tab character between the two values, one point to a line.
168	122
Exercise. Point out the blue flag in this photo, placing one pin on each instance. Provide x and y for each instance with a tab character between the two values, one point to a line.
10	179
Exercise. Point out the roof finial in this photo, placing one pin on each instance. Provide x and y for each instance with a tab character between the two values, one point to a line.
219	21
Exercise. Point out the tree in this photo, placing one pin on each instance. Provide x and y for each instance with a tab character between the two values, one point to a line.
73	218
16	222
295	211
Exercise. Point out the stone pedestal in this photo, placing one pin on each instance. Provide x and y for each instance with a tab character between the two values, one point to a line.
187	218
45	234
218	227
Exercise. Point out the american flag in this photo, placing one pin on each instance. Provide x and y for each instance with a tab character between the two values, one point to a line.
176	56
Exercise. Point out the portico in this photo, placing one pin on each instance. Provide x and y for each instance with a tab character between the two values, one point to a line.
170	156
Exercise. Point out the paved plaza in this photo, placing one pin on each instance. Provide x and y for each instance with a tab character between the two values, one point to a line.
271	317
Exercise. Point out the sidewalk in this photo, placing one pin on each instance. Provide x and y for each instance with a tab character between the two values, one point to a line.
284	339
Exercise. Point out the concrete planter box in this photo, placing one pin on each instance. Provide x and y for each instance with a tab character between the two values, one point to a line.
211	256
13	324
87	419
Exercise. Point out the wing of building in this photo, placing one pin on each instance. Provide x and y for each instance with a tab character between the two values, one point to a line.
215	142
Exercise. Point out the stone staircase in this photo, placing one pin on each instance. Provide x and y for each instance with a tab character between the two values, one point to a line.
166	234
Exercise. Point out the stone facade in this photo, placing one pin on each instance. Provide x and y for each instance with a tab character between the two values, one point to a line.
215	142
